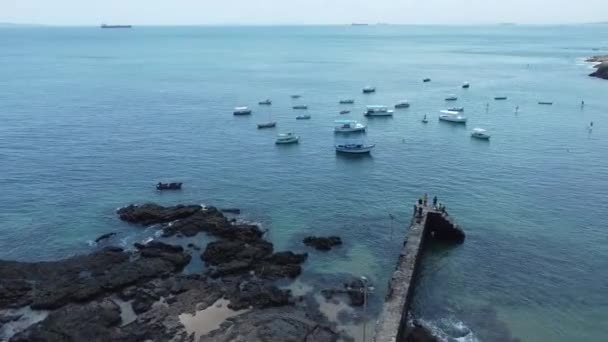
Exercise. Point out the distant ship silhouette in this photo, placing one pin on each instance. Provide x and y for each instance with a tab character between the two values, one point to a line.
104	26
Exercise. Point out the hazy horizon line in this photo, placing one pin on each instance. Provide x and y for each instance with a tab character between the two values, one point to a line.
8	23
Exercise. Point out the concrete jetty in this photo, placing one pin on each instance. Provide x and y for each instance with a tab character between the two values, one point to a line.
427	223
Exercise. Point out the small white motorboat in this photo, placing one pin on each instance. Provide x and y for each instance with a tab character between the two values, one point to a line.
402	104
242	111
369	90
456	109
287	138
300	107
480	133
349	126
466	85
266	102
378	111
303	117
347	101
451	97
354	148
455	117
267	125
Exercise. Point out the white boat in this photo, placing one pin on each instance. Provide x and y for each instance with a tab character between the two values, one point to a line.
349	126
466	85
451	97
242	111
402	104
347	101
354	148
300	107
449	116
378	111
369	89
266	102
480	133
287	138
303	117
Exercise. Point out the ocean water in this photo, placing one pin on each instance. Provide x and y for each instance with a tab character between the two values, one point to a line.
91	119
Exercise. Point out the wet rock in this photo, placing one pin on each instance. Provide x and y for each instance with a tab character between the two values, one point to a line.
258	294
286	258
51	285
281	324
224	251
322	243
354	290
151	213
104	237
602	71
419	333
90	322
597	59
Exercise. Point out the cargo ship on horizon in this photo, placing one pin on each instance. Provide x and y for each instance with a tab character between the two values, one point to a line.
105	26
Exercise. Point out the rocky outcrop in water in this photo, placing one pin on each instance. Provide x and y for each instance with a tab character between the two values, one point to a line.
601	72
151	213
322	243
442	228
419	333
597	59
87	294
50	285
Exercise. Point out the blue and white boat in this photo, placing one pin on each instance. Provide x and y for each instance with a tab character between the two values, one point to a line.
349	126
303	117
377	110
287	138
455	117
354	148
242	111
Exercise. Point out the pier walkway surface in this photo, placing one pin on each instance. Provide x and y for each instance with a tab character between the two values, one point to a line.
427	222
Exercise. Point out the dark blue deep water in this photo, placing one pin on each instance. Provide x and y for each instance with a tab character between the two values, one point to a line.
91	119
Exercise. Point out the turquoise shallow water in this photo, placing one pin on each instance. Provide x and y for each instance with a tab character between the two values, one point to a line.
91	119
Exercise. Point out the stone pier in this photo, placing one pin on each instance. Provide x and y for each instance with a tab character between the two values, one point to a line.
431	224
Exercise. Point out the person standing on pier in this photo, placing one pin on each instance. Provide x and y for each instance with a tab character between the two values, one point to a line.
426	199
435	202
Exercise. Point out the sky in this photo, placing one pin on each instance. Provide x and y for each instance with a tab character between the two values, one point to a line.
278	12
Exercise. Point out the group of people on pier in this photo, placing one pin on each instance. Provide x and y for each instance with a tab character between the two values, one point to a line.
423	202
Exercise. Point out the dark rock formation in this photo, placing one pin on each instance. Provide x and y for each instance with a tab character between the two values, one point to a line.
322	243
258	294
442	228
91	322
104	237
602	71
597	59
50	285
151	213
235	211
354	290
419	333
272	325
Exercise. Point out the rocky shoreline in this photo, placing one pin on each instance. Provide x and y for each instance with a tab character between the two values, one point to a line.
142	294
601	66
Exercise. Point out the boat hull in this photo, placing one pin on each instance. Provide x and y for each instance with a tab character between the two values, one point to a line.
287	141
267	125
480	136
349	130
401	106
242	113
453	120
350	150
